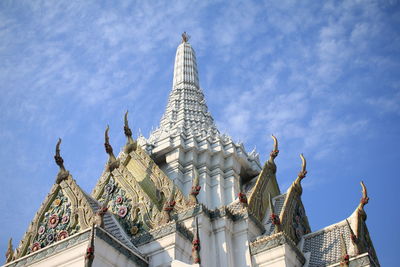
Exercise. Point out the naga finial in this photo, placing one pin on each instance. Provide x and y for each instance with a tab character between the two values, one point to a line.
63	173
196	243
344	258
353	236
113	163
185	37
195	187
99	216
89	256
9	252
169	206
274	217
275	151
130	144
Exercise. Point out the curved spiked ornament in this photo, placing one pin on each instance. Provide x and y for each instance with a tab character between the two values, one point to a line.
303	171
275	151
130	143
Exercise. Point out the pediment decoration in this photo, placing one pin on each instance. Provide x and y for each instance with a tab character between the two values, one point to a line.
64	212
266	185
293	216
132	207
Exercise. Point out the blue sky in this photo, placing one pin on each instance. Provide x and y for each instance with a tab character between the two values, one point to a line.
323	76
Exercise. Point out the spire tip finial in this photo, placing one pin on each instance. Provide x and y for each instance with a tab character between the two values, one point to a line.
185	37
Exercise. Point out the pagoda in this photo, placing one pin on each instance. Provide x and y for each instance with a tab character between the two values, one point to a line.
186	196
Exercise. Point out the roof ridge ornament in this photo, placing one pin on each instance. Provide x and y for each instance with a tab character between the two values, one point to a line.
113	163
99	217
131	144
62	173
274	153
185	37
302	174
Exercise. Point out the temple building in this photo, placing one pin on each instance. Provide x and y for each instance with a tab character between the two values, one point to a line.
186	196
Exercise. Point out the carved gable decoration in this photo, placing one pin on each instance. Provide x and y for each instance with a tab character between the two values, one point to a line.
266	185
157	185
293	216
133	208
64	212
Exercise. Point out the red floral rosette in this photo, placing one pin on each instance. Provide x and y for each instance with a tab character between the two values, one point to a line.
62	235
53	220
119	200
65	219
36	246
41	230
122	211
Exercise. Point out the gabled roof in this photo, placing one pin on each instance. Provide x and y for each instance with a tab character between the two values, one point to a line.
326	248
136	189
65	211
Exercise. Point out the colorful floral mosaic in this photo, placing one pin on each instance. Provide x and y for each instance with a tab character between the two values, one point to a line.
128	214
55	224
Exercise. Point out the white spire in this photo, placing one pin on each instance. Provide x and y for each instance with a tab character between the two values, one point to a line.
186	109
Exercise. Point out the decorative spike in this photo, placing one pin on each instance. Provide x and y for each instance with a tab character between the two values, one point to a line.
113	163
131	145
353	237
169	206
274	153
364	200
62	173
274	217
99	217
344	255
195	187
303	172
9	252
89	256
185	37
196	244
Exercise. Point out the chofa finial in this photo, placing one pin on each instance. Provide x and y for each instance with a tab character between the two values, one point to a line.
195	187
275	151
63	173
130	143
113	163
303	171
364	200
185	37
